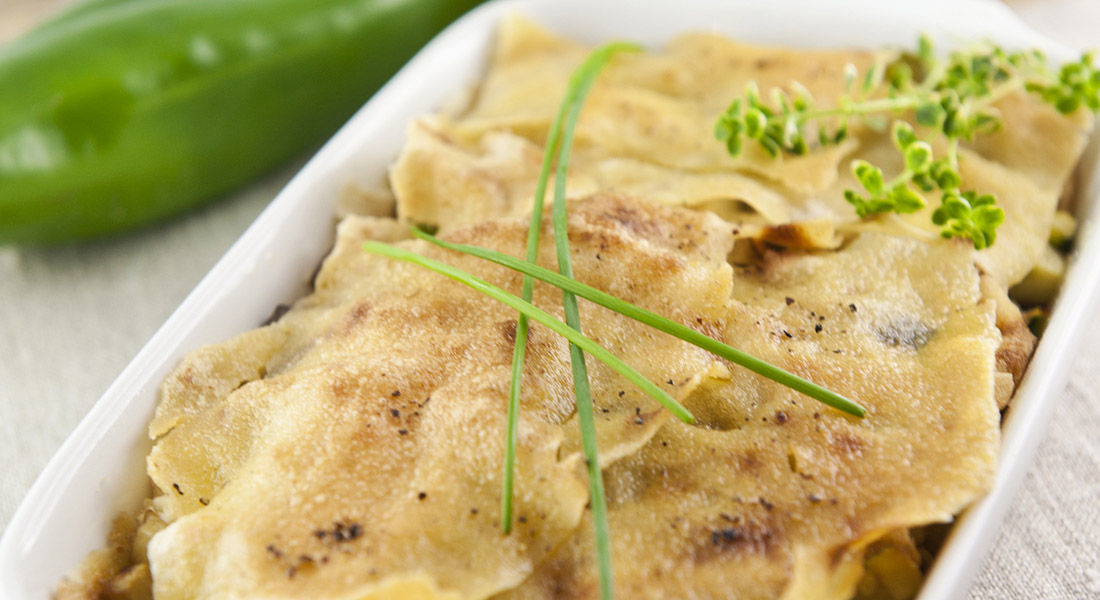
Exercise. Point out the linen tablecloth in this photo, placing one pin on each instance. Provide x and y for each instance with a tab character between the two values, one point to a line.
72	318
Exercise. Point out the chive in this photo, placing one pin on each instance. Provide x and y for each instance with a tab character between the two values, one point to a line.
523	324
582	81
658	322
560	137
578	86
536	313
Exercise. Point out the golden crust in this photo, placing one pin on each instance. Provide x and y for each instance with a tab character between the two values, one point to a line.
362	463
770	493
308	482
352	448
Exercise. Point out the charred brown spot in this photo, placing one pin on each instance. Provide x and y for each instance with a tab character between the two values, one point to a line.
848	445
708	328
343	387
187	376
748	462
340	532
727	540
633	221
785	236
727	536
640	418
508	328
354	318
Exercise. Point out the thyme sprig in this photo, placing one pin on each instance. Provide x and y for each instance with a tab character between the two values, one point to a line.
951	99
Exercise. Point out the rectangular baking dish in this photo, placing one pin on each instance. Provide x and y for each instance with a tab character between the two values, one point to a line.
100	469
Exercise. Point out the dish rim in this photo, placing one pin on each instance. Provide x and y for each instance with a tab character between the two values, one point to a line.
260	262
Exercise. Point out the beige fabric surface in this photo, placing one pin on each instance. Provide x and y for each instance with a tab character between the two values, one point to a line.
1048	545
71	318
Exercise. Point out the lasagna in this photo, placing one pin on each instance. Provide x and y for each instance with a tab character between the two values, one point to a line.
352	448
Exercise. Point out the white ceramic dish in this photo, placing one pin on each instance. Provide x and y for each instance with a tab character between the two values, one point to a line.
99	470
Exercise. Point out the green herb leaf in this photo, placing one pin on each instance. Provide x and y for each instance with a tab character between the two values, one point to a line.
755	122
905	200
953	97
918	157
930	114
944	175
869	176
969	215
903	135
